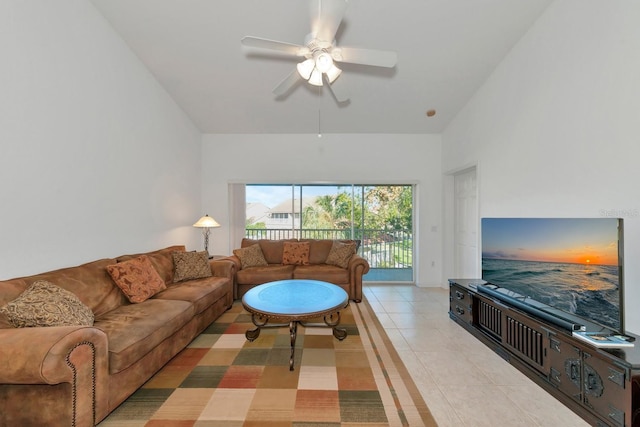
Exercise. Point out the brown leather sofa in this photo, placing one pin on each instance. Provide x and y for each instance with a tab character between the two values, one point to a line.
77	375
349	278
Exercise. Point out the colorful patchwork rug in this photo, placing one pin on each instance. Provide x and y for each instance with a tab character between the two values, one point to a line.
223	380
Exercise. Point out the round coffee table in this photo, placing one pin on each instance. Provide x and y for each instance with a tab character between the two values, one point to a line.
292	302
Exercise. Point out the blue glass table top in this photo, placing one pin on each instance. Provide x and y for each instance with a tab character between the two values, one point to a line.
295	297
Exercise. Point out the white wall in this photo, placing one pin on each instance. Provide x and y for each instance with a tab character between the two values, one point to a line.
96	160
554	130
367	159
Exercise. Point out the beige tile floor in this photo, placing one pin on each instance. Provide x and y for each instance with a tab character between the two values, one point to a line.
462	381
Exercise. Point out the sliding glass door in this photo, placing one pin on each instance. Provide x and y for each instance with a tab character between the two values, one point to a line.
380	216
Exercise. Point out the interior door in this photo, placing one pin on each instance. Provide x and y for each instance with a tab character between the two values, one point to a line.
466	254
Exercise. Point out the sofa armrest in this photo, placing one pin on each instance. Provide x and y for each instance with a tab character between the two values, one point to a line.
358	267
235	260
237	265
45	355
356	262
61	354
223	268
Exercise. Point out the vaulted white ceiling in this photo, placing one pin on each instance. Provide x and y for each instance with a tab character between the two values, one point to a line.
446	50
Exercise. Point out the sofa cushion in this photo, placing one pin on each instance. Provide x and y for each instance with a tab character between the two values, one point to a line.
137	278
250	256
201	292
161	259
190	265
45	304
341	253
318	250
271	249
259	275
134	330
324	272
90	282
295	253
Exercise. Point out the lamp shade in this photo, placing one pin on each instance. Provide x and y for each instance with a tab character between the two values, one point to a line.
206	222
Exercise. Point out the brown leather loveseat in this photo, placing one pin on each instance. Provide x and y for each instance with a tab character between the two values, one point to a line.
63	374
333	261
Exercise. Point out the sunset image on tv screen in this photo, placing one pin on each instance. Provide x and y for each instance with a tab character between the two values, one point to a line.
572	264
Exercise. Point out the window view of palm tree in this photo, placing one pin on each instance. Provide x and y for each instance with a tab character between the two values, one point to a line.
380	216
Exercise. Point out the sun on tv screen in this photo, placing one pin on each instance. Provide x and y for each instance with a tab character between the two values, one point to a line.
571	264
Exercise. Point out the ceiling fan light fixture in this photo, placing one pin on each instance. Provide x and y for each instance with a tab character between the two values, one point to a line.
305	68
333	73
316	78
309	71
323	61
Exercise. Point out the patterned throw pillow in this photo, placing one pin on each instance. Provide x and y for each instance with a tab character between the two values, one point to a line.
190	265
250	256
137	278
341	253
295	253
45	304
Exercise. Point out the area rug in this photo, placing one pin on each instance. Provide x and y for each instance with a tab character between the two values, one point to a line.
223	380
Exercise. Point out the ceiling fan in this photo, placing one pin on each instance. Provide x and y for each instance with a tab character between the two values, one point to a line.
321	53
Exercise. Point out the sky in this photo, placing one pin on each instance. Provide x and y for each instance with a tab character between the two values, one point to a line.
565	240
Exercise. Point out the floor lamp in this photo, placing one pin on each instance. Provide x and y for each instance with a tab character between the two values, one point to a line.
206	223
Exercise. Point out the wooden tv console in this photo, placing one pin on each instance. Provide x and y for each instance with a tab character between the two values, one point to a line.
601	385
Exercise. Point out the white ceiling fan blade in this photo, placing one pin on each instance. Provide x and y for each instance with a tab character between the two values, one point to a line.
377	58
290	48
338	88
287	83
326	16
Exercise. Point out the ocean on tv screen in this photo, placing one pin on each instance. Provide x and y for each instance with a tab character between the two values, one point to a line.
586	290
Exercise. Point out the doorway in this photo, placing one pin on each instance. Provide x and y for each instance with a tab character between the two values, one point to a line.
465	227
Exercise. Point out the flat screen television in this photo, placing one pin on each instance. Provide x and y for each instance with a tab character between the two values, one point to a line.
572	265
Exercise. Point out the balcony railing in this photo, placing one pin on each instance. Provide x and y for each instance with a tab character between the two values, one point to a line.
382	248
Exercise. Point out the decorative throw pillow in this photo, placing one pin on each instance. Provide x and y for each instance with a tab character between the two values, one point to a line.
45	304
137	278
295	253
341	253
190	265
251	256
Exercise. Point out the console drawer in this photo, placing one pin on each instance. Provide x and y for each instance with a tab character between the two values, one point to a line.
461	303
